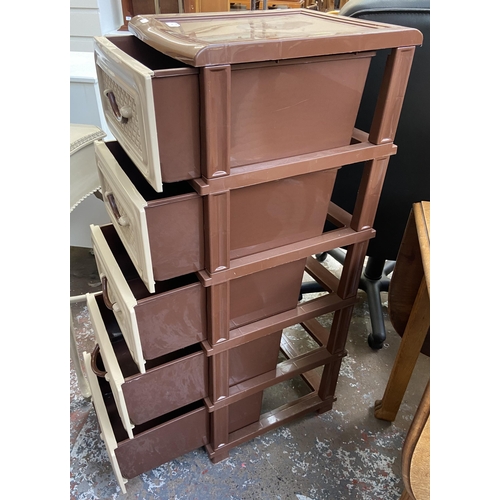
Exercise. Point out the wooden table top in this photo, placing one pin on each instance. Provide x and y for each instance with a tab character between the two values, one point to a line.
422	213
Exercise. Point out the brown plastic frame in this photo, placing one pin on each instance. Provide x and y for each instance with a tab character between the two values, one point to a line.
354	232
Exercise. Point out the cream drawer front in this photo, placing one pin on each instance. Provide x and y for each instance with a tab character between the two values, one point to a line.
113	372
153	325
162	232
107	434
126	209
162	137
118	293
127	98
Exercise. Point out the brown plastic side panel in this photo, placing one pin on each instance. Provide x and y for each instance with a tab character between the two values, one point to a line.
176	237
263	216
265	293
277	213
163	443
172	320
287	109
245	362
164	387
245	412
253	359
178	125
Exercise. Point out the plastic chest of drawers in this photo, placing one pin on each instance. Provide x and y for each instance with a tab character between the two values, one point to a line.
276	101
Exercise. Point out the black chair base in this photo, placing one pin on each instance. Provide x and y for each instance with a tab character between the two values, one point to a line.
374	280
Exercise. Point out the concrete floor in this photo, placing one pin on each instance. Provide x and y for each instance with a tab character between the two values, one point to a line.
345	453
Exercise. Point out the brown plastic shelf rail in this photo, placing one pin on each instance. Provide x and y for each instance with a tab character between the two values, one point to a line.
264	97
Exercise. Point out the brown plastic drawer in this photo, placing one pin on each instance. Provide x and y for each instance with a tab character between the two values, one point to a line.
247	361
163	233
151	105
265	293
245	412
276	108
294	107
169	382
277	213
152	324
153	443
176	315
254	358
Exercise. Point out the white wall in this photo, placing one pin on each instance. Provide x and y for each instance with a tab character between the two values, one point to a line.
89	18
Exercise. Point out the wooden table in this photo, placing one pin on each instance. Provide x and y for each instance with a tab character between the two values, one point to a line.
409	307
409	311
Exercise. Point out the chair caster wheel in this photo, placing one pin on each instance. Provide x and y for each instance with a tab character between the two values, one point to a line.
375	344
321	257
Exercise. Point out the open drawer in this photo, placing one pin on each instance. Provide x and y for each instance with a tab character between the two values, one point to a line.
169	382
151	105
176	315
152	444
152	324
163	233
271	105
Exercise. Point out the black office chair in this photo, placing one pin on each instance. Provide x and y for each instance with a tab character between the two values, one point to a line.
408	176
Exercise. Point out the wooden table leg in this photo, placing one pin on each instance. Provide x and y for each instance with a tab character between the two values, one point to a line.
406	358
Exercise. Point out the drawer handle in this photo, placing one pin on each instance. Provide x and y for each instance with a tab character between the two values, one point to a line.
105	295
121	114
93	362
121	219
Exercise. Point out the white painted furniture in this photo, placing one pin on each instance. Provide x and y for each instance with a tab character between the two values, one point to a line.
84	181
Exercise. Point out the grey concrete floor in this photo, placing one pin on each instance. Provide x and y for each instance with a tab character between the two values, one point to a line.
345	453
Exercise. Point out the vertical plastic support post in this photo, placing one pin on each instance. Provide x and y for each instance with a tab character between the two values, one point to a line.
219	427
215	120
369	193
336	347
218	312
351	270
219	389
219	373
216	142
391	96
216	214
218	330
